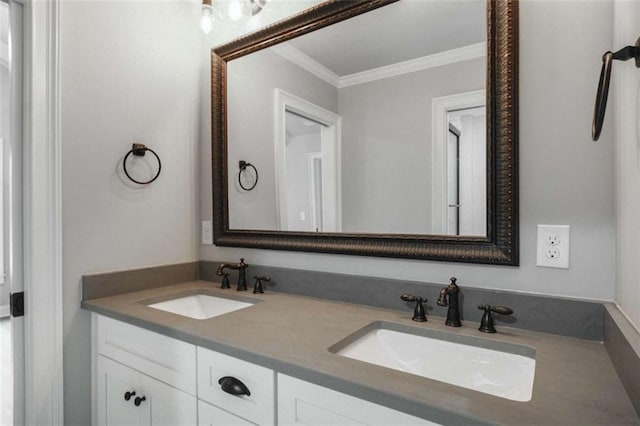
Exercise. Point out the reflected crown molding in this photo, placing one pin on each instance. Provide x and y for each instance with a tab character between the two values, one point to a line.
439	59
307	63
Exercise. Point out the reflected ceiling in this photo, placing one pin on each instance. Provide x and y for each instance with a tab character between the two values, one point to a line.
396	33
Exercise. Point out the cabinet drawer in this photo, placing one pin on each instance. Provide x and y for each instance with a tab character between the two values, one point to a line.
167	359
304	403
208	415
258	407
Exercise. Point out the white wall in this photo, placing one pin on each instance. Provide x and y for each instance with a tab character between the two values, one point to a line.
623	118
564	179
130	71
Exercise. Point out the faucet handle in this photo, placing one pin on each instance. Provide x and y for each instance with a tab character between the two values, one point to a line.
502	310
486	323
418	313
257	286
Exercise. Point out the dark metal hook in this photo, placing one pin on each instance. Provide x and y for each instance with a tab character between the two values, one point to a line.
623	54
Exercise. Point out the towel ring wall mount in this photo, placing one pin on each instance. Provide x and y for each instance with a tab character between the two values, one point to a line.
624	54
243	167
139	150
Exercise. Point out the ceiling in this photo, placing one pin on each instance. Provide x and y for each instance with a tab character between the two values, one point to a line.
395	33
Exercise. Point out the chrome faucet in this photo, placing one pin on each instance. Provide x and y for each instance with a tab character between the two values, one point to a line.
240	267
449	297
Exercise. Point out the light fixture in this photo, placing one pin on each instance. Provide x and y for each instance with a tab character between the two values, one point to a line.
253	7
206	22
235	10
240	8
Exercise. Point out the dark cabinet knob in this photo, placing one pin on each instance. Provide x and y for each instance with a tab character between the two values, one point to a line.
139	400
233	386
128	395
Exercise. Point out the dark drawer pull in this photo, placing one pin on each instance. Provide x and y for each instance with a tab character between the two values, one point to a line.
233	386
128	395
139	400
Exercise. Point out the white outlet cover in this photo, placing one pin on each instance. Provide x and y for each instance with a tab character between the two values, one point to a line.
207	232
553	246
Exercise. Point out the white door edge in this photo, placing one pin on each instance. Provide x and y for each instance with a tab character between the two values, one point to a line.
43	346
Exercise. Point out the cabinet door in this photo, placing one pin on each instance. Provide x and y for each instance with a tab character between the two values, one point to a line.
208	415
158	403
303	403
168	406
114	381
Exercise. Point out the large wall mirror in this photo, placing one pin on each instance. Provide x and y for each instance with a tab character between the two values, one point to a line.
381	128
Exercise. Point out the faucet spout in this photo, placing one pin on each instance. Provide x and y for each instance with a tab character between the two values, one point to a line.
449	297
240	267
442	298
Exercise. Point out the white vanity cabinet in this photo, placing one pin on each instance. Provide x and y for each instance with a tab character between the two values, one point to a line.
146	378
304	403
164	371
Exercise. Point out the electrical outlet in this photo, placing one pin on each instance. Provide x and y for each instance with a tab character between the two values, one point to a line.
207	232
552	253
553	246
552	239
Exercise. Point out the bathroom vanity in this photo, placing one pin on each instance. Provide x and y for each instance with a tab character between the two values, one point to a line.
277	361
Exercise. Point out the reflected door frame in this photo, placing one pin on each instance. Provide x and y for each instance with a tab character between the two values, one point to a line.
440	107
331	157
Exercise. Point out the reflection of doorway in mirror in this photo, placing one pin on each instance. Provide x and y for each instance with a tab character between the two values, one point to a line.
315	190
466	177
453	180
303	147
459	172
307	151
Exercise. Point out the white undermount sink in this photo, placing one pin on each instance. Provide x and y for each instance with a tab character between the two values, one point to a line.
200	306
496	368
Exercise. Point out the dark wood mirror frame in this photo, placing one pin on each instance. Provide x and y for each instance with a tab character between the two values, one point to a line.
500	246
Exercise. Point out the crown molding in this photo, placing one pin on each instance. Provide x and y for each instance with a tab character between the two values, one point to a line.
305	62
460	54
439	59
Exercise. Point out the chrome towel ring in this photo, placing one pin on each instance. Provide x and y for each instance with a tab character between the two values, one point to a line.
243	167
623	54
140	150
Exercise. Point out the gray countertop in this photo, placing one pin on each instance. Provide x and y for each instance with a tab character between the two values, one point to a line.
575	382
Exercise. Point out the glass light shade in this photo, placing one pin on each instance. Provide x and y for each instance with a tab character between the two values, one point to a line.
206	23
235	10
